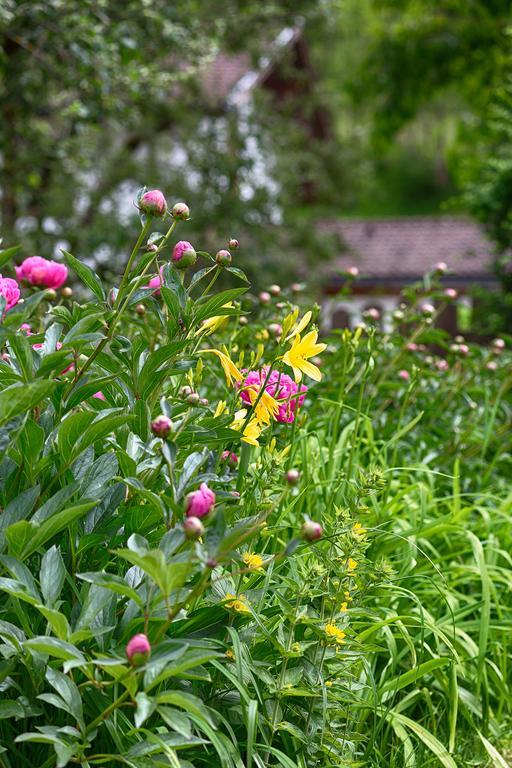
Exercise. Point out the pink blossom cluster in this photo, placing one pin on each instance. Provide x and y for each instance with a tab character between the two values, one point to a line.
280	386
43	272
10	290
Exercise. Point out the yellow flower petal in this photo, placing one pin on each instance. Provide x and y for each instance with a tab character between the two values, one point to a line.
230	370
300	325
212	324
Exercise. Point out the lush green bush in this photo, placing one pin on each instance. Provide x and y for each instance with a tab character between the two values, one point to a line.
381	640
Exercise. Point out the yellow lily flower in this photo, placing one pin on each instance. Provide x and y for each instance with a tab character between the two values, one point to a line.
221	407
267	407
213	324
299	352
230	370
252	430
300	325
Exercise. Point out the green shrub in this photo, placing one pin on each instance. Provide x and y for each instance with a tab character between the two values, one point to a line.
344	602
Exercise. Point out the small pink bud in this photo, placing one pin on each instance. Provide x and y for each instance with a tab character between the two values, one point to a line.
193	398
234	244
312	531
183	254
151	247
181	211
412	347
450	293
464	349
230	458
264	297
50	294
441	267
352	272
491	365
204	401
243	320
275	329
372	313
138	650
200	503
427	309
499	345
442	365
223	258
211	562
185	391
297	287
67	292
153	203
293	477
140	310
26	328
193	528
274	290
161	426
405	375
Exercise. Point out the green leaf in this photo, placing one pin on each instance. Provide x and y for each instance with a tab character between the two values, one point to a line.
24	537
18	399
52	646
20	348
7	253
145	708
212	306
430	741
412	675
52	575
86	275
114	583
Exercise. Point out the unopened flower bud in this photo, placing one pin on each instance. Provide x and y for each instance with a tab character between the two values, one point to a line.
234	244
211	562
183	254
450	293
185	391
498	345
230	458
275	329
464	349
440	267
274	290
265	297
293	476
459	339
312	531
352	271
405	375
181	211
153	203
50	294
200	503
223	258
138	650
161	426
427	309
67	292
151	247
193	528
372	313
193	398
411	347
491	365
204	401
140	309
297	287
243	320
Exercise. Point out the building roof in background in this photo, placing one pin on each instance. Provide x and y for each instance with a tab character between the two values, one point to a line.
406	248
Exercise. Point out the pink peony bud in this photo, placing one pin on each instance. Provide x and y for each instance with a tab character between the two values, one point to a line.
441	267
411	347
450	293
153	203
312	531
10	290
193	528
352	272
274	290
200	503
223	258
183	254
193	398
161	426
275	329
234	244
427	309
138	650
26	328
230	458
181	211
405	375
442	365
297	287
67	292
265	297
42	272
499	345
491	365
293	477
372	313
464	349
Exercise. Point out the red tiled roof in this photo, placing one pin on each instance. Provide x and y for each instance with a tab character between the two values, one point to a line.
409	247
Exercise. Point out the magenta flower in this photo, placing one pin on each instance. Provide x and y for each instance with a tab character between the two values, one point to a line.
138	650
405	375
42	272
280	386
26	328
161	426
153	203
99	396
10	290
184	254
200	503
156	282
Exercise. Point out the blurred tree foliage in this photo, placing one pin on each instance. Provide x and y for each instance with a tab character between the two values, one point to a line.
90	90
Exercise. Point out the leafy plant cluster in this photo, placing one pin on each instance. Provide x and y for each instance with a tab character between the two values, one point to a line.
345	602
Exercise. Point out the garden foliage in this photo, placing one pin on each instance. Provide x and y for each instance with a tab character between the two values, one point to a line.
223	542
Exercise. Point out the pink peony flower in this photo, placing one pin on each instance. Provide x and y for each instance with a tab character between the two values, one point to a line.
58	346
26	328
184	252
280	386
200	503
405	375
153	203
10	290
43	272
138	650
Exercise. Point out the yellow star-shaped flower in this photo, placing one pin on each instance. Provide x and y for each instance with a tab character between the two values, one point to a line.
299	352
